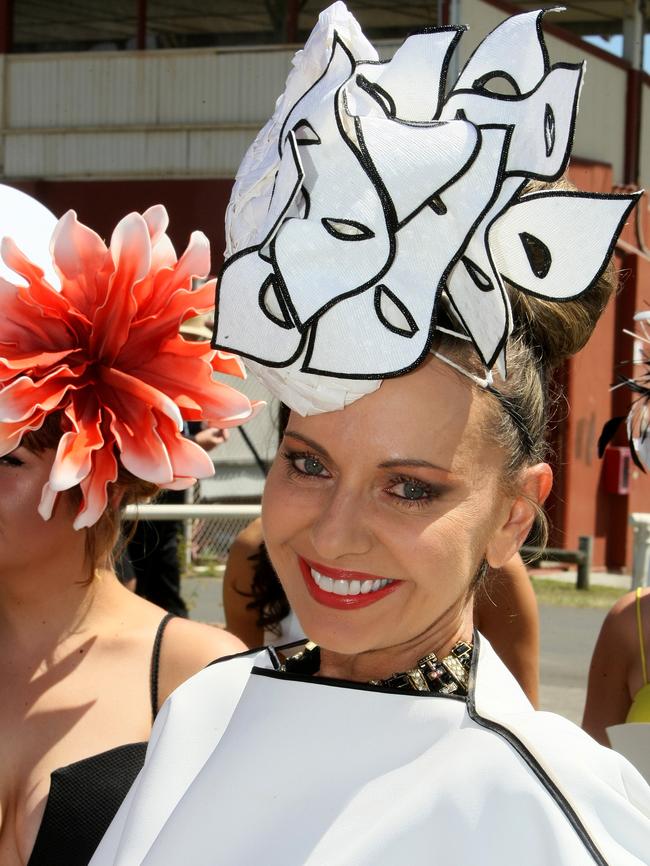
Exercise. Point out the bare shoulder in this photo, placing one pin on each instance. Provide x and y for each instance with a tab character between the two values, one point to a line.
249	539
188	647
620	623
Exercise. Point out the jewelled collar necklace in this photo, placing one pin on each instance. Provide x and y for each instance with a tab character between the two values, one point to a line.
444	676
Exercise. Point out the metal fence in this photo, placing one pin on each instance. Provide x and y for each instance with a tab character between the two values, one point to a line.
209	529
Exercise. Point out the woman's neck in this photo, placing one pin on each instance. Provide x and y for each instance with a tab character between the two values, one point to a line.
42	605
379	664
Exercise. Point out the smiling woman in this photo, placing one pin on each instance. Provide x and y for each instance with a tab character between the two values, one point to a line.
422	510
90	421
415	355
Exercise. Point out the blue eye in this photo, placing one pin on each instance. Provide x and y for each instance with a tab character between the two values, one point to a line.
305	464
413	490
410	491
309	465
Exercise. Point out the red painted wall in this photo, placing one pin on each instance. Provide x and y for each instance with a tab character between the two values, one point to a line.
192	205
580	504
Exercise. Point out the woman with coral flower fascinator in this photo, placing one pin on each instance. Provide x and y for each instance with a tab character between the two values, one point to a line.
412	265
95	386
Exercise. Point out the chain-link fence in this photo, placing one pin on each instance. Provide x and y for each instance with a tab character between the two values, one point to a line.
209	540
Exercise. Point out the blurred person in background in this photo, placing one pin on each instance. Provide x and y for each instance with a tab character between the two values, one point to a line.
619	688
618	693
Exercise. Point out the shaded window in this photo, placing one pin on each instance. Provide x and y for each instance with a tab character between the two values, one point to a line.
82	25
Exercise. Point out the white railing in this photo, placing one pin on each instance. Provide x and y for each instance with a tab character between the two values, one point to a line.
641	552
209	529
194	511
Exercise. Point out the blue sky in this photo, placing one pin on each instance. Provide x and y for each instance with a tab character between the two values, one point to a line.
615	46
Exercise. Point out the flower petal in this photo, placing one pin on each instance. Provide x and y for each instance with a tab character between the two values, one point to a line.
131	388
225	362
73	460
77	250
188	459
48	500
11	434
149	334
94	488
131	253
18	262
194	389
22	397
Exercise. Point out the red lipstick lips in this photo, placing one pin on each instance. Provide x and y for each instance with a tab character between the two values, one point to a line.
343	602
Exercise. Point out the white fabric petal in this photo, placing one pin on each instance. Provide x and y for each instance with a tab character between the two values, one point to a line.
255	177
315	261
475	289
244	316
415	76
514	49
542	122
351	338
285	190
569	235
416	162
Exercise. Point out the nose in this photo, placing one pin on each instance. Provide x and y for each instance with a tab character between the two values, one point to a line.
342	527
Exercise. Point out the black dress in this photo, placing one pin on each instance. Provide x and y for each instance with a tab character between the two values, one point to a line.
85	796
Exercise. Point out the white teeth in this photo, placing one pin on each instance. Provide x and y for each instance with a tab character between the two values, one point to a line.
348	587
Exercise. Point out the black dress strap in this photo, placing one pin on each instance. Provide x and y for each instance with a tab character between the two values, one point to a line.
155	664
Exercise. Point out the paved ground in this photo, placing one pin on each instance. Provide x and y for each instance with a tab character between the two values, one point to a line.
568	635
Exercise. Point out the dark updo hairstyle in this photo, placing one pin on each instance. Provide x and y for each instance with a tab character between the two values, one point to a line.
102	537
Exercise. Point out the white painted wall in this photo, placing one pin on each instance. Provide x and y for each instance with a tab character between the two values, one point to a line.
117	114
192	113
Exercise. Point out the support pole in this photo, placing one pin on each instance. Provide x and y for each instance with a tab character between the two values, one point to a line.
141	37
633	39
586	548
641	550
291	21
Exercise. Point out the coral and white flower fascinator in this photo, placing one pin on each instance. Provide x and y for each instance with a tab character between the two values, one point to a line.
92	332
638	418
374	192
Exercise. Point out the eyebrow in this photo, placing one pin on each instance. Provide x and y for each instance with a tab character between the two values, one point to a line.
386	464
308	441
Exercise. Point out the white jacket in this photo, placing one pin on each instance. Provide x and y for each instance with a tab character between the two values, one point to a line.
250	767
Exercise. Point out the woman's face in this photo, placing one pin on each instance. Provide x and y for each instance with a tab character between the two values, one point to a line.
401	486
25	538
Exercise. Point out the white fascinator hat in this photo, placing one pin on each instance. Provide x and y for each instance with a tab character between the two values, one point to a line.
378	193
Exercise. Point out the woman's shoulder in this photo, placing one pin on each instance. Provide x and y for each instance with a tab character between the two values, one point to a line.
619	629
190	646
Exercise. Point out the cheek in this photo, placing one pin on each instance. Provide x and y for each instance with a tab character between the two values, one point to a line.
19	498
444	555
280	516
